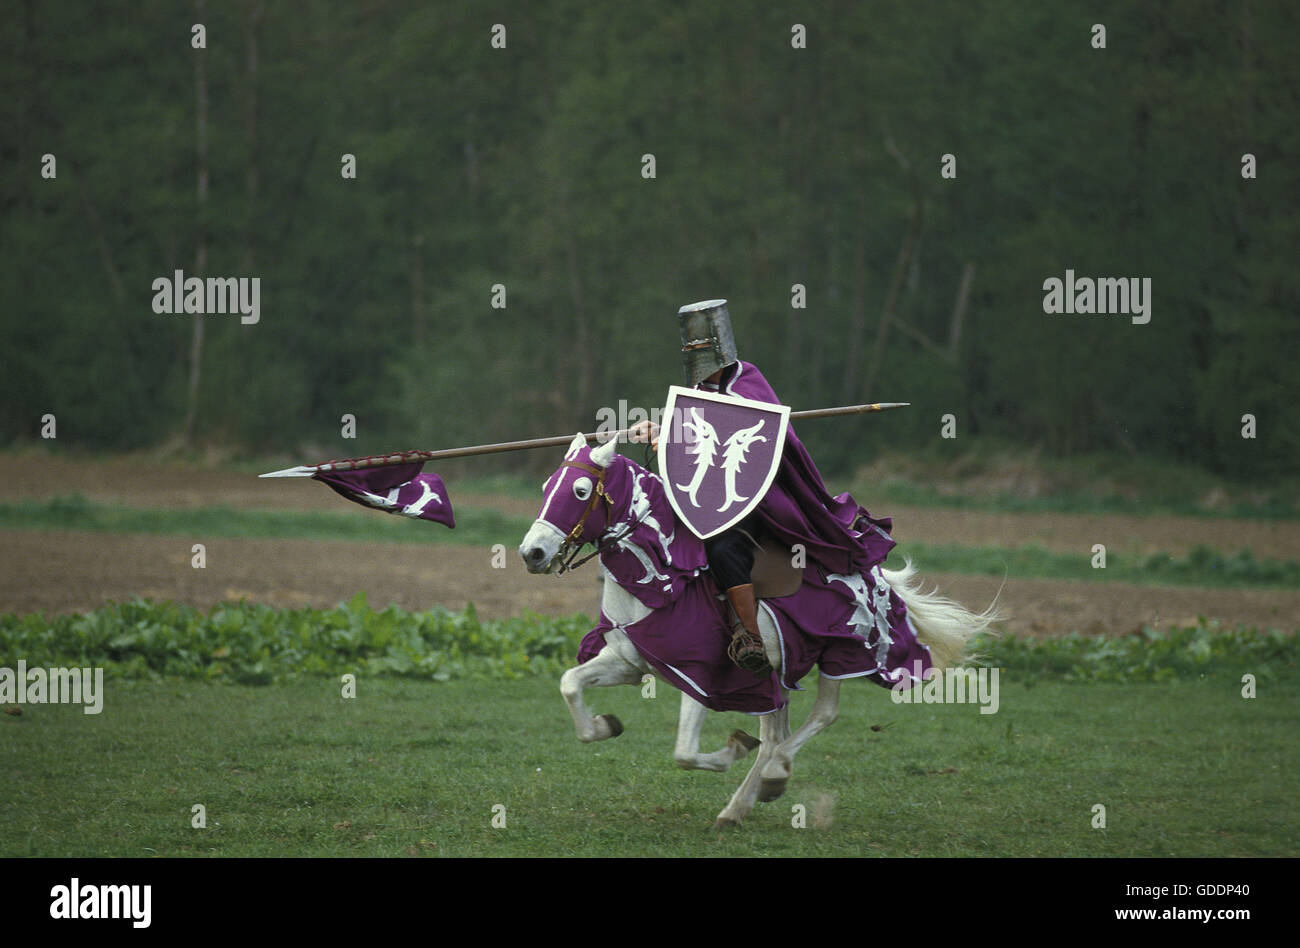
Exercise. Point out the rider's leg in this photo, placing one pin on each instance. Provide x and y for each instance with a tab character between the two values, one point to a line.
746	648
731	558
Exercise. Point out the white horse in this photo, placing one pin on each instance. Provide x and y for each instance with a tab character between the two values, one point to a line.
578	509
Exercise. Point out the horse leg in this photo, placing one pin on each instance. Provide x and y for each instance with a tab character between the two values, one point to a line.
783	735
607	668
687	752
780	763
742	801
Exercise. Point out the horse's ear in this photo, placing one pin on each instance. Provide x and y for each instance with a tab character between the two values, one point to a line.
602	455
577	444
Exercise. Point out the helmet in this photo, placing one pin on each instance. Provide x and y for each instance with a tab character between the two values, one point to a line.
707	342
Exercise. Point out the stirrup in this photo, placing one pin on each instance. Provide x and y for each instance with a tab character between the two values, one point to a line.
746	651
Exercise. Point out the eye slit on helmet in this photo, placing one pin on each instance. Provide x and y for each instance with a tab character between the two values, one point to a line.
582	488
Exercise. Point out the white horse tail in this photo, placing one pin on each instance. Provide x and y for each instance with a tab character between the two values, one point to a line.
944	626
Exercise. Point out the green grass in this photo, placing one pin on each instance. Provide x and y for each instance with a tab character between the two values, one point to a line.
980	473
474	526
453	716
1202	567
406	768
907	493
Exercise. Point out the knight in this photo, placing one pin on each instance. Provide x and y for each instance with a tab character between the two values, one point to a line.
798	512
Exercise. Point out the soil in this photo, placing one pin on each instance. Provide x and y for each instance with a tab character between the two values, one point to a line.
69	571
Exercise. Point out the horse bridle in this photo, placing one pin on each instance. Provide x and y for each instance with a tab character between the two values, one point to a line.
573	542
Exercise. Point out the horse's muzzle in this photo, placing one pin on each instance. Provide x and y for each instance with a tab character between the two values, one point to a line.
534	557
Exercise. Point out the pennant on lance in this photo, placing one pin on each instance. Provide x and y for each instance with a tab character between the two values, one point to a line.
718	455
400	489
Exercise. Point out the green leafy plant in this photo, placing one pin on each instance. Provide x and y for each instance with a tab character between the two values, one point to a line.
1147	655
248	643
256	644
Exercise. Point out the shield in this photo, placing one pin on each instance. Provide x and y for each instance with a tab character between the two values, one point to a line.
718	455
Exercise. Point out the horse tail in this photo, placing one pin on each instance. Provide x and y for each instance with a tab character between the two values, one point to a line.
944	626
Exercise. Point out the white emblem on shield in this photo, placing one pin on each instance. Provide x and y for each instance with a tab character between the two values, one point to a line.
718	456
737	445
706	444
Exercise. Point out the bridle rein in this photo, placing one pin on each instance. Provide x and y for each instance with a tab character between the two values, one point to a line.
573	542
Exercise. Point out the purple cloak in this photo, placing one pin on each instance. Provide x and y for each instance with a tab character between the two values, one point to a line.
845	620
847	625
664	566
838	534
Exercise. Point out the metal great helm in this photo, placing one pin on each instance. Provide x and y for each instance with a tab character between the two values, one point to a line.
707	342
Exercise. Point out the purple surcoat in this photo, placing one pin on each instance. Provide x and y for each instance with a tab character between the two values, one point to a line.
837	533
663	565
848	625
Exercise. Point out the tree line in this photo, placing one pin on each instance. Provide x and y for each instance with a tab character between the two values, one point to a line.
535	188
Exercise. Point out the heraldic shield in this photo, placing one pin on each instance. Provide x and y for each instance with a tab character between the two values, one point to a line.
718	455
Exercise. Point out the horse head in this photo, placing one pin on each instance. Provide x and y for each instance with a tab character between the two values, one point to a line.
575	507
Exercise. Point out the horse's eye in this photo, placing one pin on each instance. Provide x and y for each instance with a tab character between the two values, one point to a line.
582	488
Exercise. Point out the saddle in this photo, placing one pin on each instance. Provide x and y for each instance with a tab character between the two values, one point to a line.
773	575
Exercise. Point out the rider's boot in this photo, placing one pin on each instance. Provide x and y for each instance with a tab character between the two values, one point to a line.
746	648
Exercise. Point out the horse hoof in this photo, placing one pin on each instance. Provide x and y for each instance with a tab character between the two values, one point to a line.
744	740
614	724
724	822
770	790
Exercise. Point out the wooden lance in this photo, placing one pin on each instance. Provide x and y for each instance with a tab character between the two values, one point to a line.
414	457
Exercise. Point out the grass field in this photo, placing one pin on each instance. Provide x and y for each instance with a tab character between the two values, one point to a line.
1184	768
986	474
239	709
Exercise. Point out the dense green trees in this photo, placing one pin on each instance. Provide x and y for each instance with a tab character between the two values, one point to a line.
774	166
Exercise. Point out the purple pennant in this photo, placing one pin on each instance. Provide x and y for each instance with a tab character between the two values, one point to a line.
399	489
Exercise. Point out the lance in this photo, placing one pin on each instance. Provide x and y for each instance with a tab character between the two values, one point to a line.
413	457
